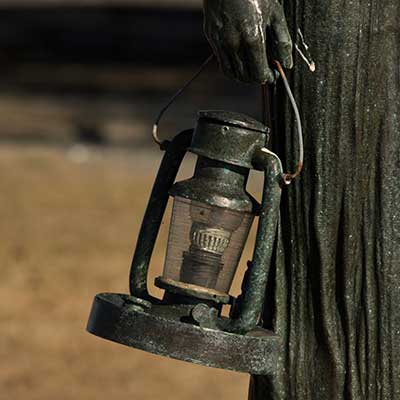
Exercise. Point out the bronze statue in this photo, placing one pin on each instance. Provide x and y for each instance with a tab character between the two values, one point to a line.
335	283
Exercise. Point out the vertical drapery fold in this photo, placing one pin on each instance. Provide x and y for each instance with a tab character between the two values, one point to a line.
337	264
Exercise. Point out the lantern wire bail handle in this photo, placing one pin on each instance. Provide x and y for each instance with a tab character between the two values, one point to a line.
175	96
288	177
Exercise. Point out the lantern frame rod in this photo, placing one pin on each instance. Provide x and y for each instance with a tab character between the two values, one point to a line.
249	305
175	151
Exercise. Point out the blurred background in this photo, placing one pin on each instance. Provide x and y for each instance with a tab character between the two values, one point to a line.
80	85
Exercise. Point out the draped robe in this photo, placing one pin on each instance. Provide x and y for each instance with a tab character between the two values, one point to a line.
334	290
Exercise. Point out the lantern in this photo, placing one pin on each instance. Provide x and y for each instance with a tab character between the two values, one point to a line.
211	218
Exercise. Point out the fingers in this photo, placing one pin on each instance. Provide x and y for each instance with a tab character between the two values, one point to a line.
226	47
284	44
242	50
225	62
242	57
254	55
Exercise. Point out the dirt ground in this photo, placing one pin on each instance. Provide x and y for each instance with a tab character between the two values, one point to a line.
69	219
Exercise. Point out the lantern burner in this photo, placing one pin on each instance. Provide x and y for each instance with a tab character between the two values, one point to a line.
210	240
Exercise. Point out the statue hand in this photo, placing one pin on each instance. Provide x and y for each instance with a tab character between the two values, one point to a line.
236	30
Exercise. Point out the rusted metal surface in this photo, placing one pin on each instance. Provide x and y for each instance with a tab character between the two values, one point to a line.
194	290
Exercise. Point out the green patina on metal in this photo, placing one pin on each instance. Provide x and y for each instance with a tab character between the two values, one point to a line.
187	323
174	153
333	283
159	330
336	274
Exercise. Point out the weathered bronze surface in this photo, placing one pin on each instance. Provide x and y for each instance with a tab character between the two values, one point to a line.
115	317
236	29
175	151
251	301
230	191
336	272
187	323
229	137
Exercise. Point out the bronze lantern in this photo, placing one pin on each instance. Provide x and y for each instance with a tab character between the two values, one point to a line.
211	218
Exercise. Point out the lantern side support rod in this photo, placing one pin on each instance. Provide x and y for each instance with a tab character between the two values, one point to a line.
174	154
250	302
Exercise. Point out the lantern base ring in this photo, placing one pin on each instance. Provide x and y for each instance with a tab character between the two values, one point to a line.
188	289
162	330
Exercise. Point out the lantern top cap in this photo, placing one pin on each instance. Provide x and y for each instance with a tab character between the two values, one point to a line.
229	137
233	119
